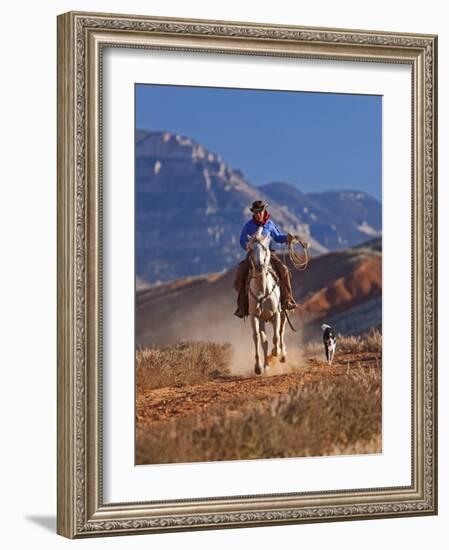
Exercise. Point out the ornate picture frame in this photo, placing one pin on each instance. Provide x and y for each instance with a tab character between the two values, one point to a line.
82	40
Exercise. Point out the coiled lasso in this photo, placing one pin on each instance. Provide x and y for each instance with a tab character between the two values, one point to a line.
299	261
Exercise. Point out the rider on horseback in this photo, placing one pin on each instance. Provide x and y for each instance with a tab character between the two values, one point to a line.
261	218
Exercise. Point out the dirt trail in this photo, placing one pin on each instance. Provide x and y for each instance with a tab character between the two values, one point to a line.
238	393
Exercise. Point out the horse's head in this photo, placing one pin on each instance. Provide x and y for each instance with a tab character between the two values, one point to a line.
259	250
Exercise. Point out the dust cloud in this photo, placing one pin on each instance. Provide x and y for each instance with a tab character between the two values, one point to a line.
229	329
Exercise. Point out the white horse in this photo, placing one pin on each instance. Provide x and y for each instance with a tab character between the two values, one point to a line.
264	300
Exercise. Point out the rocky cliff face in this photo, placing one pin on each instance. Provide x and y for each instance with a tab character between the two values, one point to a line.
337	219
190	208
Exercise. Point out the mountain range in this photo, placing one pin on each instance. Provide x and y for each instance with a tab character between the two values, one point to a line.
191	206
336	219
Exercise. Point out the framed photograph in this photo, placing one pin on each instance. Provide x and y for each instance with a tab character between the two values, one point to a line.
247	276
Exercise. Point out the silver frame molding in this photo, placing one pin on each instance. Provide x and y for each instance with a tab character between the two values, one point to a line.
81	39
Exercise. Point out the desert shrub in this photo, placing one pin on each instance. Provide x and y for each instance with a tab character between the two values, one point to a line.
181	364
369	342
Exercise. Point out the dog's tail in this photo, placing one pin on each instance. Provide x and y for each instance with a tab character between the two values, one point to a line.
324	326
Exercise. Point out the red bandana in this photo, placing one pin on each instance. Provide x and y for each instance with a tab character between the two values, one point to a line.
265	218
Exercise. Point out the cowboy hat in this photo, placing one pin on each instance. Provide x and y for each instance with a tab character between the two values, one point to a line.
258	206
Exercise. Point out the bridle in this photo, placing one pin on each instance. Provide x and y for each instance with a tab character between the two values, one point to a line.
264	248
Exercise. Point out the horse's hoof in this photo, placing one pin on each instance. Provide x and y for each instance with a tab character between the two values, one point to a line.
283	359
274	353
258	370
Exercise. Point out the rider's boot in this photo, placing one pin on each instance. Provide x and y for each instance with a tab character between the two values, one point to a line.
289	304
287	300
242	304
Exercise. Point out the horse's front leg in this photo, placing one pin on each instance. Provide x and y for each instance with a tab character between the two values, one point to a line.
282	338
255	324
263	337
276	335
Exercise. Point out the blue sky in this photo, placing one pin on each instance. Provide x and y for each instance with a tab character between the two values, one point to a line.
315	141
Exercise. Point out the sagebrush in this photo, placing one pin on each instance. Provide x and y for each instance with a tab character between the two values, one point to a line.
183	363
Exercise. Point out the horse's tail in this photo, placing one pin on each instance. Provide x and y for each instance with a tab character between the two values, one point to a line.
289	322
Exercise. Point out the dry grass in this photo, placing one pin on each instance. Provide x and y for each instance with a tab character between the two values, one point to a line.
370	342
181	364
340	415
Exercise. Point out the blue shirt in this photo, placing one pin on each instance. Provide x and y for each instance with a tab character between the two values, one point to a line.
269	228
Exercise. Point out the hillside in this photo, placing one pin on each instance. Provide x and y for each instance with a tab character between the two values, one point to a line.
344	283
190	209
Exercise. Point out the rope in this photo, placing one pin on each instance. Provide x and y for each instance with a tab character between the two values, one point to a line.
289	322
299	261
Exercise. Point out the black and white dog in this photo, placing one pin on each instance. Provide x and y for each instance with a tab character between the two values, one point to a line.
330	341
